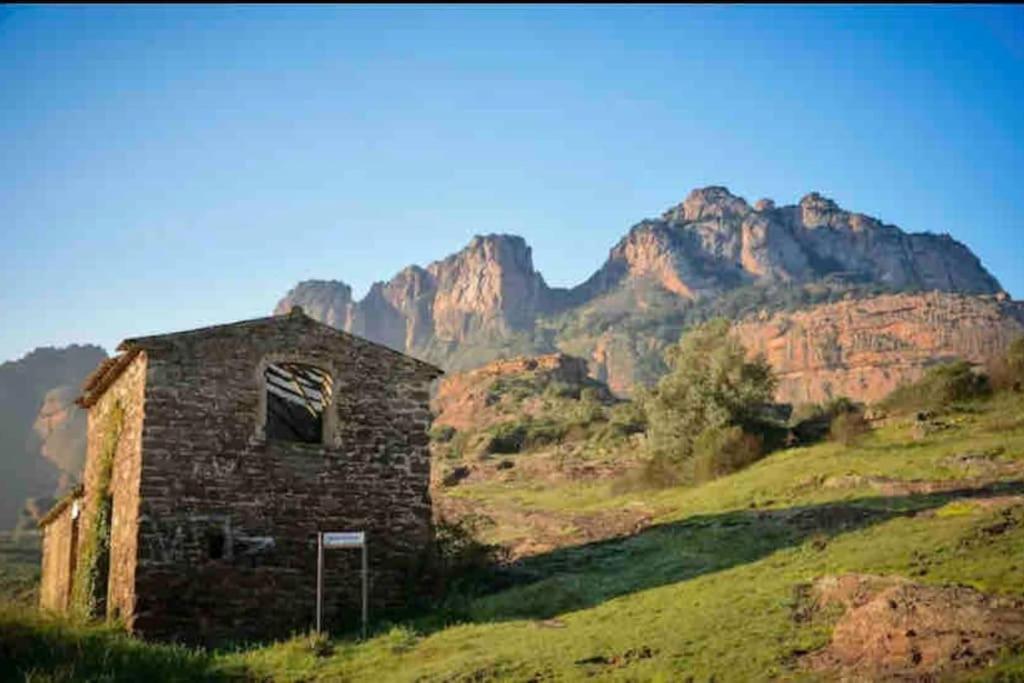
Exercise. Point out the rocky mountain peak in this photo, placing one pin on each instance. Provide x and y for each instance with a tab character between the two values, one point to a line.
484	300
817	211
329	301
489	286
712	202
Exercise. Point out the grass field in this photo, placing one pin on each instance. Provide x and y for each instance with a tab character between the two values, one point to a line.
708	590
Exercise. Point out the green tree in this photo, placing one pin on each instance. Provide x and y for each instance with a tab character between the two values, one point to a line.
711	385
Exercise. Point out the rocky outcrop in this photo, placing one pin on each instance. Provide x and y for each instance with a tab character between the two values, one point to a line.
488	290
466	400
865	348
489	287
892	629
329	301
60	427
714	241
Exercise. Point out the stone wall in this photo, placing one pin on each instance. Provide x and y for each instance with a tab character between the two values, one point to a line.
58	550
228	520
124	396
127	394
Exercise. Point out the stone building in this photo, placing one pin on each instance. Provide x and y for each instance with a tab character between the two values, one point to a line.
216	455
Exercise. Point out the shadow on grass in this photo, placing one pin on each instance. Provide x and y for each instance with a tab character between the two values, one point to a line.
34	647
584	576
37	647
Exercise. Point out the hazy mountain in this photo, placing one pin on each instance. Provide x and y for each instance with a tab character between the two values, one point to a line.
42	433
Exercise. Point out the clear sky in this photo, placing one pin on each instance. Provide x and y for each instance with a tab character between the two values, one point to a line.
166	167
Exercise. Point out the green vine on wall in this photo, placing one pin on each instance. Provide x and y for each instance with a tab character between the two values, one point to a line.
89	592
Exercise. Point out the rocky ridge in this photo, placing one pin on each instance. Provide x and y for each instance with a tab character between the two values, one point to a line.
866	348
488	301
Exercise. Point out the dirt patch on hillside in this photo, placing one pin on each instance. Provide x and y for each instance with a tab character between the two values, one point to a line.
889	486
893	629
527	532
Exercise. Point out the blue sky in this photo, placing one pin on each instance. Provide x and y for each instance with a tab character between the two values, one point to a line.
168	167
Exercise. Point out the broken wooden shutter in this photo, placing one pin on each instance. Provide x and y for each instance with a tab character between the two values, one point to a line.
297	397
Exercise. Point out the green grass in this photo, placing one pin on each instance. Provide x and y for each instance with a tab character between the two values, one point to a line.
19	567
708	591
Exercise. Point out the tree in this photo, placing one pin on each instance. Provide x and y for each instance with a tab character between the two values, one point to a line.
710	386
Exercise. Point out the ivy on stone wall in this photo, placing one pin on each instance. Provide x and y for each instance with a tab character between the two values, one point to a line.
89	591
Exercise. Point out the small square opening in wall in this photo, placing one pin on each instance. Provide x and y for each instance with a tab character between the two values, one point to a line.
297	397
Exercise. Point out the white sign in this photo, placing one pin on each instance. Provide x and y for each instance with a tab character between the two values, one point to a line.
344	539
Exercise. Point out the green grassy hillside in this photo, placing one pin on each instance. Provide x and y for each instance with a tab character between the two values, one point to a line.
716	583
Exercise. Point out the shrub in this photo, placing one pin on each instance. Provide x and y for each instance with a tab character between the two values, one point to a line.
556	389
656	473
442	433
812	422
627	418
588	409
711	386
722	451
461	554
848	427
1007	371
940	387
507	437
543	433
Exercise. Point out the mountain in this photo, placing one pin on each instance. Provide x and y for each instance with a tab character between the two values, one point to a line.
42	432
712	254
484	297
714	241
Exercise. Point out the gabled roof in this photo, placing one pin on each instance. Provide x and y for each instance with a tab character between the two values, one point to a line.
110	369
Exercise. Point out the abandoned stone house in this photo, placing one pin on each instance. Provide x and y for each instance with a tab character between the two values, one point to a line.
216	455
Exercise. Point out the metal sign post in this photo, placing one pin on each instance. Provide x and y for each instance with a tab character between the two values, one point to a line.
340	539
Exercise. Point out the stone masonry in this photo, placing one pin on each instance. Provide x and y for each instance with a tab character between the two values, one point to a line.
213	529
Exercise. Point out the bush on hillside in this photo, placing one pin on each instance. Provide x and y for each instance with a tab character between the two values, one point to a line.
628	418
1007	371
710	388
840	419
508	437
848	427
940	387
724	450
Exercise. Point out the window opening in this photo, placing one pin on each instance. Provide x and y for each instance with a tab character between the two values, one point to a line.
297	397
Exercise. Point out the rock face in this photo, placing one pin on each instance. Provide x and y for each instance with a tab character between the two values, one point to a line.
865	348
714	241
488	290
463	400
487	301
329	301
488	287
896	630
60	427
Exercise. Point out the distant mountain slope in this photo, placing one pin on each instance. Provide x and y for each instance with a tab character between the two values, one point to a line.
42	433
866	348
712	254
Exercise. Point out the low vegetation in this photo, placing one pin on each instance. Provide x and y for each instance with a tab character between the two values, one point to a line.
941	387
715	584
724	580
